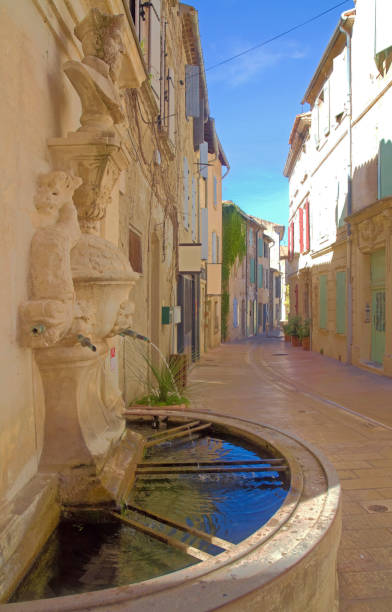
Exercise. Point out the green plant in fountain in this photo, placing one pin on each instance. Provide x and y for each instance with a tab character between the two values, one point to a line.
162	387
233	248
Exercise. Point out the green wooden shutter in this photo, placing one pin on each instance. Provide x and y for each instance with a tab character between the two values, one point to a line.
323	279
385	169
252	270
341	302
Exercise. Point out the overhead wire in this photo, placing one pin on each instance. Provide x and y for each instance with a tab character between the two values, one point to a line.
277	36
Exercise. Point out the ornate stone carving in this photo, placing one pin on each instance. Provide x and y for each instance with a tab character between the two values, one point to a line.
95	77
47	317
372	233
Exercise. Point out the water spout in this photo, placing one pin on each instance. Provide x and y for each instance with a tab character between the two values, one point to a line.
133	334
84	341
39	329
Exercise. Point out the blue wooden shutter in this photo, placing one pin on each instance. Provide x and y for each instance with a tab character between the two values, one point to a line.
186	193
171	106
193	208
204	233
323	304
192	91
154	54
235	313
198	127
204	159
341	302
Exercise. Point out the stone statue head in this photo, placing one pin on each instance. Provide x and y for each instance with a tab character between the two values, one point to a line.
54	190
101	36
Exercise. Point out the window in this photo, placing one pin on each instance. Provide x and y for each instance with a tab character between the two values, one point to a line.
203	149
260	247
204	233
186	192
383	34
252	270
266	249
307	227
213	248
323	311
135	251
260	276
235	313
193	208
301	230
341	302
278	285
384	169
192	91
215	191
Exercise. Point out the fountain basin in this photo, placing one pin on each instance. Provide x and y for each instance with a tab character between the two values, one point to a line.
287	564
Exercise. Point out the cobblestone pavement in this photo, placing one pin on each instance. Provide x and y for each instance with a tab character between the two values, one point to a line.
346	413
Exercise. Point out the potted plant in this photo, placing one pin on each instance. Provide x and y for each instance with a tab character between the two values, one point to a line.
305	334
286	332
294	330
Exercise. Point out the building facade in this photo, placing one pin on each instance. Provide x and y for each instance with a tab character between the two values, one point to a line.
103	184
339	167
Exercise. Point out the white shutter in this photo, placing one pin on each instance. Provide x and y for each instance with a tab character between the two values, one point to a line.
383	28
339	85
171	107
204	233
204	159
186	193
192	90
154	55
193	208
217	250
326	109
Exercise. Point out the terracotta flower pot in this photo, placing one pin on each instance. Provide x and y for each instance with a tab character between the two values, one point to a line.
295	341
306	343
286	338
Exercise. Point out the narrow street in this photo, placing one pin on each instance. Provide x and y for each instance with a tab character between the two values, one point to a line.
347	414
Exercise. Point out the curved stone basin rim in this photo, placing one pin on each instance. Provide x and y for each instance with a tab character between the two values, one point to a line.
137	595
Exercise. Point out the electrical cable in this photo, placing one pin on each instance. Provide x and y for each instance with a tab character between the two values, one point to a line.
269	40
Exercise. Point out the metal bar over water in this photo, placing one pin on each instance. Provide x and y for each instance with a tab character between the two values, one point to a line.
179	434
193	530
198	463
189	550
208	470
167	432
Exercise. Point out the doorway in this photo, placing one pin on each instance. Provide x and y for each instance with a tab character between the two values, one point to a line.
377	266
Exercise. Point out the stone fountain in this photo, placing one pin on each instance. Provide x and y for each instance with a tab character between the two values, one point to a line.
80	283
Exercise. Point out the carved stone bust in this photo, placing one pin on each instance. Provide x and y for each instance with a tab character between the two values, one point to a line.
95	77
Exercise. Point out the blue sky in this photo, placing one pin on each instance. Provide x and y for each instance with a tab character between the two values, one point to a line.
255	98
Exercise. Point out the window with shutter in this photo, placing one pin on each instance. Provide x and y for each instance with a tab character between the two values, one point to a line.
213	245
323	301
260	276
154	45
250	237
235	313
383	33
198	128
186	193
266	249
307	227
215	191
217	250
134	8
260	247
135	251
385	169
193	208
203	152
301	230
192	91
252	270
204	233
341	302
171	106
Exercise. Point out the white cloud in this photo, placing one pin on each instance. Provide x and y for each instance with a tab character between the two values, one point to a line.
251	65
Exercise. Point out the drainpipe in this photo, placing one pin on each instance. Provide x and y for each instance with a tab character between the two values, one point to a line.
347	33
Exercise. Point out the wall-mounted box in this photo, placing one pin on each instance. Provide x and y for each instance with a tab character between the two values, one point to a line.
189	257
177	314
166	315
